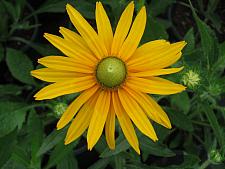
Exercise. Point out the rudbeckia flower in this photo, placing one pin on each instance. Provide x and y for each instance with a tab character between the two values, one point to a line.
113	75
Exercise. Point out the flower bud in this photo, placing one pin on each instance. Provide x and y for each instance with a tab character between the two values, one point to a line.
59	109
191	79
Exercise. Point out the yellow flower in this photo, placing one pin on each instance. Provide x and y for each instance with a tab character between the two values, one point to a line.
113	75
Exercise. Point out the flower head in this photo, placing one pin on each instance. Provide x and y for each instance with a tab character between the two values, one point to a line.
113	75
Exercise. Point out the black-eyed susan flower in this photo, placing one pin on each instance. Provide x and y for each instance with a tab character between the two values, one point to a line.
112	74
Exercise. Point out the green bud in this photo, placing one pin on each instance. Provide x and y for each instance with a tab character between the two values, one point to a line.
59	109
215	157
191	79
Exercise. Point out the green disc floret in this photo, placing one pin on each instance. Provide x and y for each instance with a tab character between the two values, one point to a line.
111	72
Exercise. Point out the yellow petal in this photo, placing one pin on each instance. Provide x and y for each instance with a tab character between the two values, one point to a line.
156	72
154	85
65	63
136	114
144	49
104	26
151	108
87	32
81	121
122	29
98	119
125	123
110	128
52	75
155	58
132	41
66	47
75	106
66	87
78	41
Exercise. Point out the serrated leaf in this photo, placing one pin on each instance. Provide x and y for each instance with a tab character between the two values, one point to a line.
156	149
59	152
180	120
12	115
36	133
19	65
6	147
214	124
154	30
190	39
208	40
68	162
50	141
181	102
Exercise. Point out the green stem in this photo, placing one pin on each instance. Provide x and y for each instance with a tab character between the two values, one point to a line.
205	164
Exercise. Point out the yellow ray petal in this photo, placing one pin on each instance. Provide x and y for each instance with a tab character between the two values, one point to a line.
136	114
156	72
146	48
125	123
156	59
152	109
110	128
80	55
75	106
52	75
77	40
132	41
65	63
122	29
98	119
66	87
104	26
81	121
154	85
87	32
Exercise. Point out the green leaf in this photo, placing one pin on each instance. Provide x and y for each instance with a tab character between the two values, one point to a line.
12	115
55	6
20	156
119	161
154	30
6	147
59	152
180	120
208	40
156	149
19	65
220	64
10	89
100	164
159	6
50	141
68	162
181	102
190	39
121	145
190	162
36	133
217	129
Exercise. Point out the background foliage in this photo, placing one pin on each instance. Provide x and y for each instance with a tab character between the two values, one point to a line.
28	138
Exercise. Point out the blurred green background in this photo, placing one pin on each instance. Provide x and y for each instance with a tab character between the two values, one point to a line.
28	138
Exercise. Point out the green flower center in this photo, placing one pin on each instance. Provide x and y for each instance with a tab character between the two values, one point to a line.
111	72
